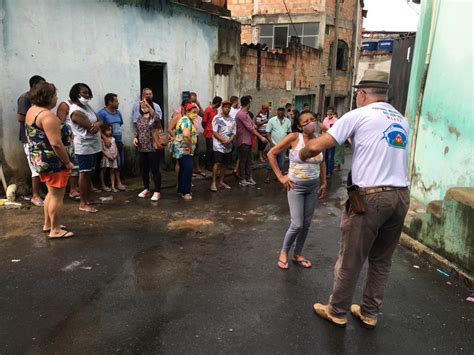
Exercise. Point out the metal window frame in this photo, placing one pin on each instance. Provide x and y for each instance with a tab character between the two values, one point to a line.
287	25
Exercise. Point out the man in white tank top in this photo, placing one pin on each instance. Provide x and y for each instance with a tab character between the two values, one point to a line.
379	173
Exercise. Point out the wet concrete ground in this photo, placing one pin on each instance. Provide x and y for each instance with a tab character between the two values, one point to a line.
139	277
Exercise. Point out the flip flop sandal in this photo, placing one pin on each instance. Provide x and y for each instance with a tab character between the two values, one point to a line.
213	189
194	175
300	263
38	203
66	234
284	263
49	230
201	173
91	210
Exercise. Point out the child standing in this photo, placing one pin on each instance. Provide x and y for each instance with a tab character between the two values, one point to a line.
109	157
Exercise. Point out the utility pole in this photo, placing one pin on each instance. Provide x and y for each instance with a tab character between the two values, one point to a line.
334	54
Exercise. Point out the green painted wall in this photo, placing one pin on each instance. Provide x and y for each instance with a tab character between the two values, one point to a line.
443	150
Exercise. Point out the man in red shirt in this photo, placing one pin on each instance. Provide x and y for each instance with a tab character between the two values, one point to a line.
209	113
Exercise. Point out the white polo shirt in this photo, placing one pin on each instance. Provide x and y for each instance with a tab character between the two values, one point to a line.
379	135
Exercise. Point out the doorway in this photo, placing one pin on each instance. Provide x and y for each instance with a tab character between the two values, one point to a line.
153	76
301	100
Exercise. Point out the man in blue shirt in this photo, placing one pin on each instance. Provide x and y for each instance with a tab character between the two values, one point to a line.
277	129
146	94
112	116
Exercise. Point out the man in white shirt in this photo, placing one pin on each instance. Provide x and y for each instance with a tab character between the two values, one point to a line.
235	108
379	179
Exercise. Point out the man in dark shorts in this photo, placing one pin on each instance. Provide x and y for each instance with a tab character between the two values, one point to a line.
224	129
23	105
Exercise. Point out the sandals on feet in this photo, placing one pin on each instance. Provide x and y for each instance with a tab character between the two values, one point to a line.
88	209
283	264
302	262
66	234
37	202
49	229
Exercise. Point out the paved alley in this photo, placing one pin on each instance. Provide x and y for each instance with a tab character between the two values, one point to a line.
201	277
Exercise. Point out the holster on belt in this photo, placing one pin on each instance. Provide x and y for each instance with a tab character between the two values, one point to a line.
355	201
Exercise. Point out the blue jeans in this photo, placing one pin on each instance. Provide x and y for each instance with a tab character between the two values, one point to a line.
302	200
329	159
185	174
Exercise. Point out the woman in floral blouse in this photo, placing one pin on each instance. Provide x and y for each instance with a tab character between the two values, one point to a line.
48	142
149	157
183	148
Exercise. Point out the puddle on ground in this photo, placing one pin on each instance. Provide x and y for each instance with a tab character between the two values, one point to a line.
21	231
192	224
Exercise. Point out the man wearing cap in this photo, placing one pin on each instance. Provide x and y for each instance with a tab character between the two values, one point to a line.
277	129
379	197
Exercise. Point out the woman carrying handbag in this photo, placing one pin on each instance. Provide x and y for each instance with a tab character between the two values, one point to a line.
149	141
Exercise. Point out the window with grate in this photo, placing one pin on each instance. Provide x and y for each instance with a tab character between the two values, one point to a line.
279	35
222	69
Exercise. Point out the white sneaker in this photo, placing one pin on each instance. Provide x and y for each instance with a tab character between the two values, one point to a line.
251	181
144	193
107	189
244	183
156	196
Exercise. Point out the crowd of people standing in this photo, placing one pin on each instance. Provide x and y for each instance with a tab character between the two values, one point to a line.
94	142
63	148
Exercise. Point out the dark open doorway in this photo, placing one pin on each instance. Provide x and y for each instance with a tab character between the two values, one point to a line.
153	76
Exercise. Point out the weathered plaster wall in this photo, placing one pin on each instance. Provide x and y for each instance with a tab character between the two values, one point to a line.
444	146
101	43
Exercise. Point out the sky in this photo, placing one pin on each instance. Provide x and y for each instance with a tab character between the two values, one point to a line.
391	15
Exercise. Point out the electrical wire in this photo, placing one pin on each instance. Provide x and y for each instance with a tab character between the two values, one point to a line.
291	20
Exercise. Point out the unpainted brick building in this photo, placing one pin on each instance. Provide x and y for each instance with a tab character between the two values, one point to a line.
287	50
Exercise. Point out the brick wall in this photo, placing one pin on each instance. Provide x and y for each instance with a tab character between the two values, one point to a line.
240	8
246	34
294	6
310	73
245	8
299	66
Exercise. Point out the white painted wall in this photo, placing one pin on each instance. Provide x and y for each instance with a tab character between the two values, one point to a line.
99	43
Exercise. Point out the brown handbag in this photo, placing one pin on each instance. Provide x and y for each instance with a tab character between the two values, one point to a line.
160	139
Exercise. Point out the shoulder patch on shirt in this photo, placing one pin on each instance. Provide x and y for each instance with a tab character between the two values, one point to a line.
396	136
